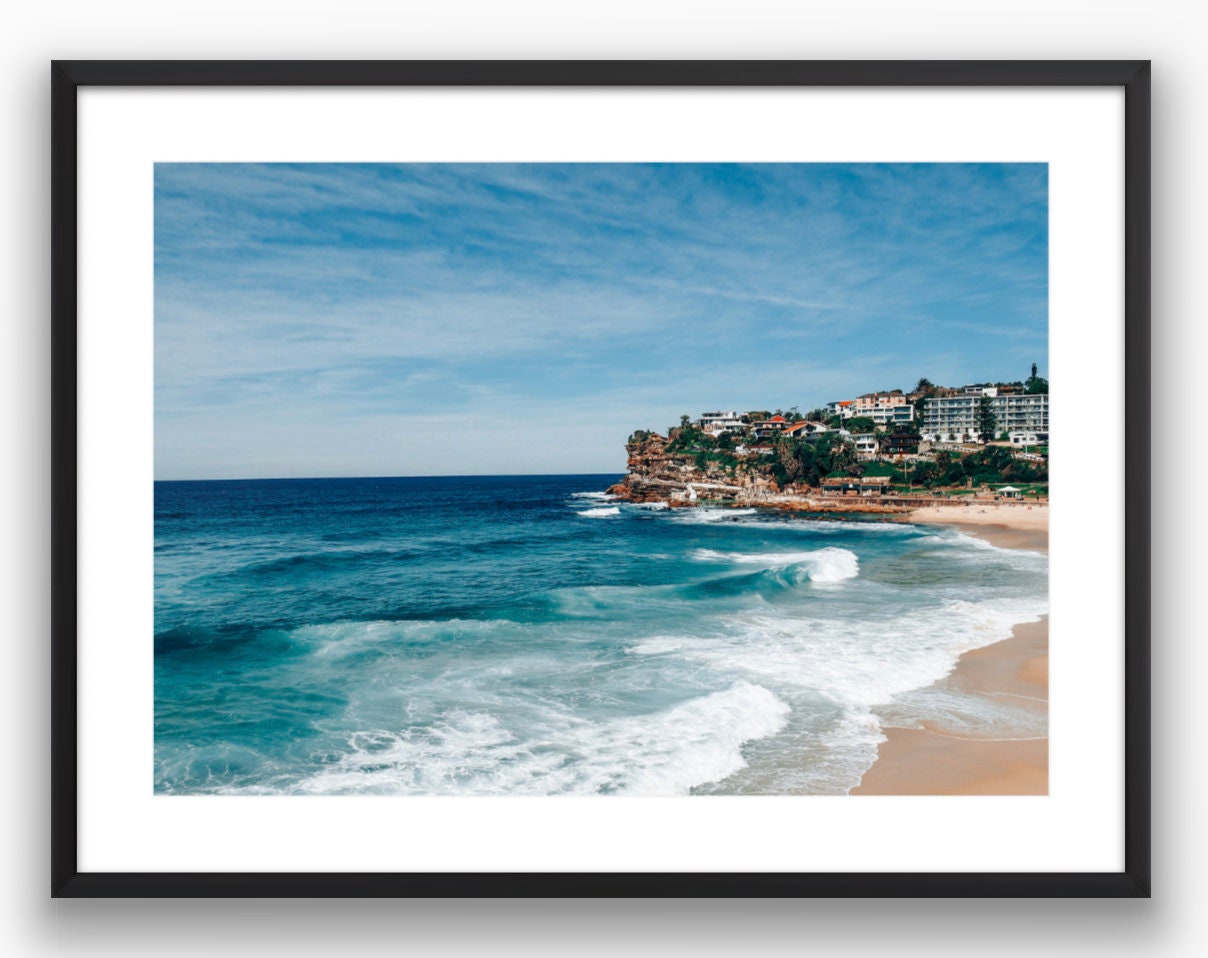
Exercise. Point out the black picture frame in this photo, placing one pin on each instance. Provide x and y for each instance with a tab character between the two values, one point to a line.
67	79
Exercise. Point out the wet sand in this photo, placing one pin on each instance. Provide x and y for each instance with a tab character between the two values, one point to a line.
1007	526
930	761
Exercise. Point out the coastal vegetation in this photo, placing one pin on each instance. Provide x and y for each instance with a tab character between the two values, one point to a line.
836	448
785	462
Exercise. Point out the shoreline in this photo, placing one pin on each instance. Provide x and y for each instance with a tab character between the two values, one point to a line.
1008	527
931	761
1018	514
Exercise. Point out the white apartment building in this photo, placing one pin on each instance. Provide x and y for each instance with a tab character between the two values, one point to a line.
866	444
1022	413
891	415
715	423
952	418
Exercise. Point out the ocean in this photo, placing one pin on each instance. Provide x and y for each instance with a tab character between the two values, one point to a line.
531	636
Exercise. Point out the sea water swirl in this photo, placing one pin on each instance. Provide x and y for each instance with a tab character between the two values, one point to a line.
530	635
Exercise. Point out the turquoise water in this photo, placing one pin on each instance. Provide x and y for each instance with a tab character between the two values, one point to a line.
528	635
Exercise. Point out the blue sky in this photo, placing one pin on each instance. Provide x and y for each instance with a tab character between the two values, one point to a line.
342	320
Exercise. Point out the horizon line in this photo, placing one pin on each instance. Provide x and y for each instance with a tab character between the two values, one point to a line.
481	475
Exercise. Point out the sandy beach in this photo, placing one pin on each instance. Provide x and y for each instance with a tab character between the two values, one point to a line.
931	761
1008	526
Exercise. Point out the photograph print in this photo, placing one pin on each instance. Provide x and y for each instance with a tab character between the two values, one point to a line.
601	479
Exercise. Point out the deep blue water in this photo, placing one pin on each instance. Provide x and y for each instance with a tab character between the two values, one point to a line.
524	635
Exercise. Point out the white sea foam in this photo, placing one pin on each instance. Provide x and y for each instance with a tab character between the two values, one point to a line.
662	753
875	670
857	662
847	526
964	540
592	495
652	506
700	515
966	714
601	512
822	565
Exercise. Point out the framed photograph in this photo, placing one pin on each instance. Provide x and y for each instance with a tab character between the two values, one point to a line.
601	479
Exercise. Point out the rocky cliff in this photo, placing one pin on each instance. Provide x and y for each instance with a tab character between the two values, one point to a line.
657	474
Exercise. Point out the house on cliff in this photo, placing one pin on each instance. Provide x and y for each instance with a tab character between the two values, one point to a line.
806	429
716	423
768	428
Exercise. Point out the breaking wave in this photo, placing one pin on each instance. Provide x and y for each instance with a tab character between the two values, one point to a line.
602	512
829	564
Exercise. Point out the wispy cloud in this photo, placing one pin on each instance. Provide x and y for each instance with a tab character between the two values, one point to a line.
313	319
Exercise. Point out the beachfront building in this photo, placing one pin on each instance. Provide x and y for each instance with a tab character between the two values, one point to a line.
851	486
952	418
716	423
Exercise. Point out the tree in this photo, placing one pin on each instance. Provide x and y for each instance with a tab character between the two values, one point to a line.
926	472
861	424
791	455
993	457
1035	385
985	418
793	414
844	455
688	437
835	454
684	421
922	392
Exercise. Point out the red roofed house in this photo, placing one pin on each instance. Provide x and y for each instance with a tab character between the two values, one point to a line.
765	428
